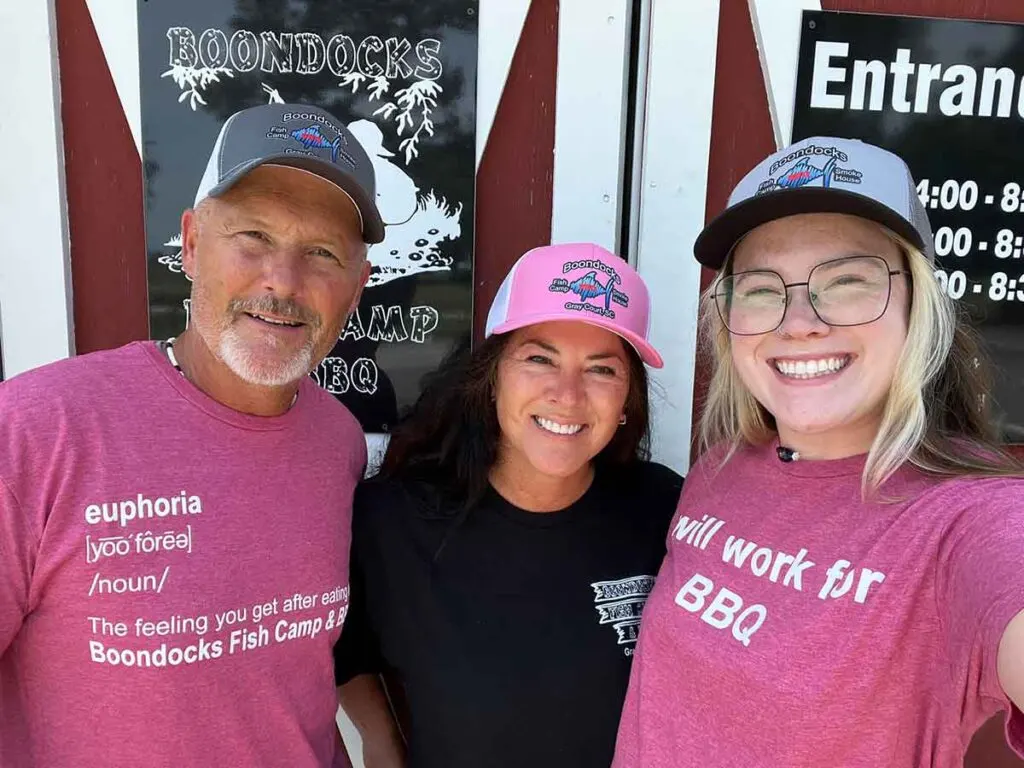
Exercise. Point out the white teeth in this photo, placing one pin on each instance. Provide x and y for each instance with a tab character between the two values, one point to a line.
558	429
809	369
273	321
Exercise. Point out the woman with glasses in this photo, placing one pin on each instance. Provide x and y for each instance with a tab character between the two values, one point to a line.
844	583
503	554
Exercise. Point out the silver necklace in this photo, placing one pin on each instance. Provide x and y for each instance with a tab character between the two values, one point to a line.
169	348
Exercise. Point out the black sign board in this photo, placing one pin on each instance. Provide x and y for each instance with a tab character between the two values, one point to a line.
948	97
402	75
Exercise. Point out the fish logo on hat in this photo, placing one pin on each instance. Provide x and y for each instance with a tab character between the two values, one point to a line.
311	137
804	172
589	287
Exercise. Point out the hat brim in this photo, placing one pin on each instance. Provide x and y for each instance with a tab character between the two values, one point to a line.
371	222
718	238
643	348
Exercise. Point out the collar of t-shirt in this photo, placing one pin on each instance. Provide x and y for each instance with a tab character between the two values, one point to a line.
581	507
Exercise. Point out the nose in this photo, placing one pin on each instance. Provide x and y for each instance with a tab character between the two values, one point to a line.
800	319
566	388
282	272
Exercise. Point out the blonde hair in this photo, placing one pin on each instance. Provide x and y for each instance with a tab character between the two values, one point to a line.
936	414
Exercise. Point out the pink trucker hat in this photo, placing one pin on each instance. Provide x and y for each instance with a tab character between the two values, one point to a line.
576	281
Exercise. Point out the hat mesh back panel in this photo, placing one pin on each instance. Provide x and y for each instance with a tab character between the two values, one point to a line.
499	307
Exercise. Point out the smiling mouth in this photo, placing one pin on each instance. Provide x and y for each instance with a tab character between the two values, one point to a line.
811	369
275	321
557	428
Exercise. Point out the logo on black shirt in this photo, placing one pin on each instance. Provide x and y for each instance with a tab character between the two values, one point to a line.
620	604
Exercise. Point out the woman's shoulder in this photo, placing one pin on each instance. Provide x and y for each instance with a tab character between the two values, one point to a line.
378	500
649	484
969	492
399	518
375	489
650	475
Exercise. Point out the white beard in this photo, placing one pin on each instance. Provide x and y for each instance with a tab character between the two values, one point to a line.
242	356
238	356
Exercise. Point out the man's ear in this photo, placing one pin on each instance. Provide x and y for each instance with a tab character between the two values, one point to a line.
189	242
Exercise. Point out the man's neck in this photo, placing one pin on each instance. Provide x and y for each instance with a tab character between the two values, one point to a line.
207	372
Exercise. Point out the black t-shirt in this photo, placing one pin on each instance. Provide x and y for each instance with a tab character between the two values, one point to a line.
512	641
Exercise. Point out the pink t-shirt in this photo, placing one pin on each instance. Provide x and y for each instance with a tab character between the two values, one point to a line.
173	573
794	625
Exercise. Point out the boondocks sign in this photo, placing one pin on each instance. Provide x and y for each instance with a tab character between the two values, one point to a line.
402	76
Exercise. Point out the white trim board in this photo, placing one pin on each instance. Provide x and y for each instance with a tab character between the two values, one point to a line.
36	315
590	121
501	26
777	27
117	26
677	142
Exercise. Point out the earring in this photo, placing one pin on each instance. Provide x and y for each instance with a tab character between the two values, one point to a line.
622	419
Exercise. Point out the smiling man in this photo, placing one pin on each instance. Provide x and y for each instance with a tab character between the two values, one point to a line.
174	516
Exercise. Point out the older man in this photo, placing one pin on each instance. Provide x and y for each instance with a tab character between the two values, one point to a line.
174	516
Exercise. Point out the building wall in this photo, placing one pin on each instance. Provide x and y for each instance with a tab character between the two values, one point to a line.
104	191
515	179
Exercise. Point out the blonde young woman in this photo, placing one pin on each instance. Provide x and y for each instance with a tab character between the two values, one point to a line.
844	583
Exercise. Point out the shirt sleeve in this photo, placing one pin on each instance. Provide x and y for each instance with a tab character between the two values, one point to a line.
655	488
980	588
669	489
357	651
18	547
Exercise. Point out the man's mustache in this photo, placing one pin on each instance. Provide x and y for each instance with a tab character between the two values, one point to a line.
288	309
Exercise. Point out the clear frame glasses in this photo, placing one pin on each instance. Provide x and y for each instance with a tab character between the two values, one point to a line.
853	290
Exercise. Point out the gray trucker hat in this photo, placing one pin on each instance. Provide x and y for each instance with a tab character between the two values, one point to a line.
297	136
820	175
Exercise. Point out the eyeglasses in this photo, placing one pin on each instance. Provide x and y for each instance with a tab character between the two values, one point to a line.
853	290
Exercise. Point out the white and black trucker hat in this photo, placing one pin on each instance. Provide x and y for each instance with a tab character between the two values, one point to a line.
298	136
820	175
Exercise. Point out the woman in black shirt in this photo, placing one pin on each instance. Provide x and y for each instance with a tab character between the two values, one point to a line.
503	554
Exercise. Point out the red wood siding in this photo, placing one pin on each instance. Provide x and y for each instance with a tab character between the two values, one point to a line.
514	183
104	191
741	134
